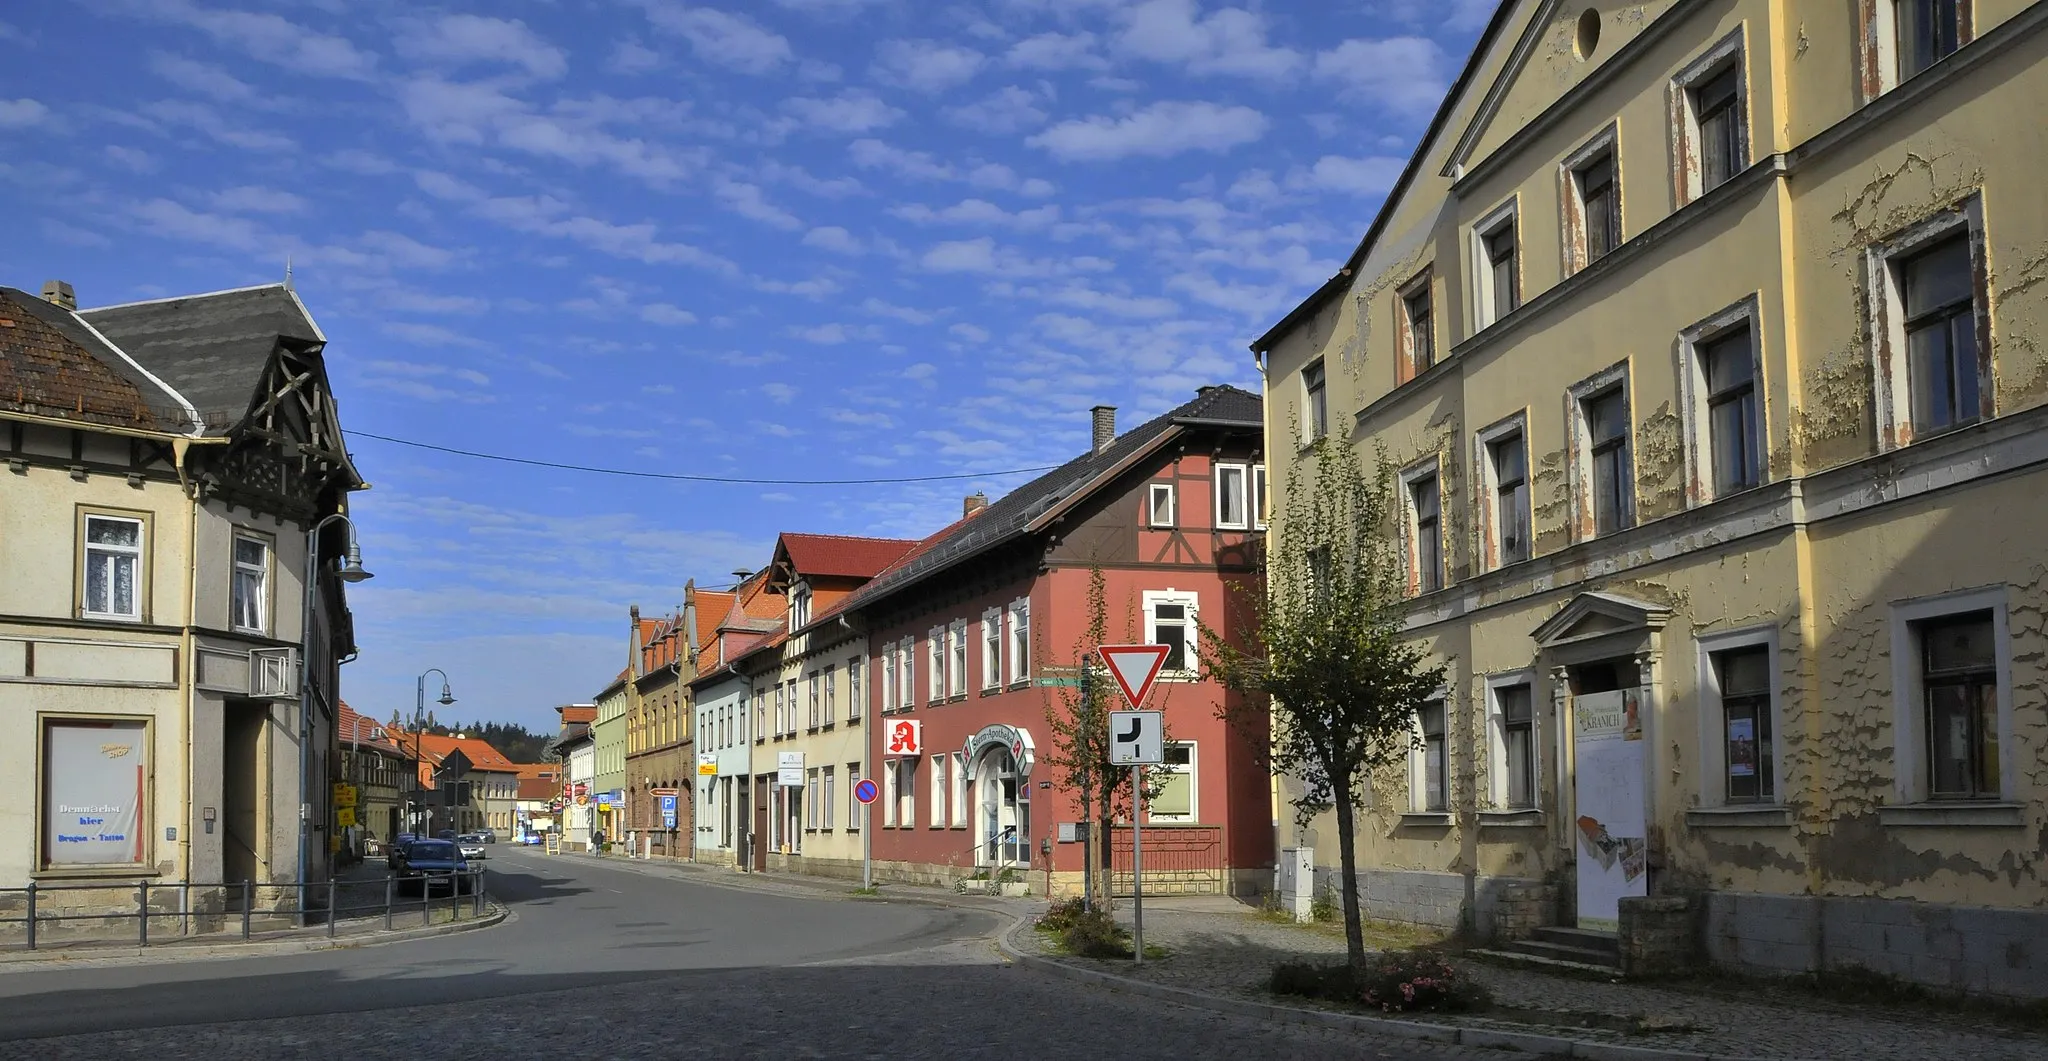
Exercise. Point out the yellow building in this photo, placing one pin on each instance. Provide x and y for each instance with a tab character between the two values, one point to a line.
1707	337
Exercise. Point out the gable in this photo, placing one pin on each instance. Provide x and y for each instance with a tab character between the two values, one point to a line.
1594	614
1543	65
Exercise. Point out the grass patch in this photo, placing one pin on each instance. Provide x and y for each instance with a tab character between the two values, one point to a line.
1379	935
866	893
1076	930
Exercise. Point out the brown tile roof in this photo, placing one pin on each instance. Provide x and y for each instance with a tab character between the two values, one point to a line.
480	754
542	771
51	365
353	729
538	788
842	556
572	713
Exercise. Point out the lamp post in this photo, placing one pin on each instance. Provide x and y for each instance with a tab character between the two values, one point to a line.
419	712
351	571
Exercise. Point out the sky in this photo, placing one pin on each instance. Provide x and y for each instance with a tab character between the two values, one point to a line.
781	239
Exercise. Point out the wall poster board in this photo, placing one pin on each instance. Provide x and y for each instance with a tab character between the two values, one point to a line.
1610	835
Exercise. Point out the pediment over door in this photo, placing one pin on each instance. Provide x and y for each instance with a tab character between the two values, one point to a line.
1595	615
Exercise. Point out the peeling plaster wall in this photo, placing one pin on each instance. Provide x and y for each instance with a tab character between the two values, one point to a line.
1555	65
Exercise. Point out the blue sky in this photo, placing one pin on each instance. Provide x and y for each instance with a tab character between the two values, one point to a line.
779	239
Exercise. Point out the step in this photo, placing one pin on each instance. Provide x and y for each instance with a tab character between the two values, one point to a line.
1584	939
1533	961
1587	956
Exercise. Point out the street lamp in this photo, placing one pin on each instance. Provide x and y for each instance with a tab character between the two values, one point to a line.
351	570
419	714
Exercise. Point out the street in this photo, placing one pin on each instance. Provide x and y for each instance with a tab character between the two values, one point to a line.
602	961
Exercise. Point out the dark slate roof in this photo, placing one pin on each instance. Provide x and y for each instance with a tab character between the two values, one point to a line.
1007	517
211	348
51	364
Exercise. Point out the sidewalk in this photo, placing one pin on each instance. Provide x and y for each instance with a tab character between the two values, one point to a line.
803	886
1223	951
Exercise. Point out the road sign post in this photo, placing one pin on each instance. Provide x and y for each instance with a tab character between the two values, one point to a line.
864	791
1137	739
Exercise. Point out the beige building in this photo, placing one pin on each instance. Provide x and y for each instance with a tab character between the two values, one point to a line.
165	463
1707	338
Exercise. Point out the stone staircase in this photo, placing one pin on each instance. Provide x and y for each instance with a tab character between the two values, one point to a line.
1565	947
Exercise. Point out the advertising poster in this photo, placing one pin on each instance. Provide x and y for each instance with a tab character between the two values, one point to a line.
1612	856
96	773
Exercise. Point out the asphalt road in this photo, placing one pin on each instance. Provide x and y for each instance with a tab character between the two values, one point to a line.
603	962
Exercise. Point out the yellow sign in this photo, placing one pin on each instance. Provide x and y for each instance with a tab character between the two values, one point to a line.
344	795
345	817
707	768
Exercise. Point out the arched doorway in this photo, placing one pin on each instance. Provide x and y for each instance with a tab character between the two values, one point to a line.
1003	798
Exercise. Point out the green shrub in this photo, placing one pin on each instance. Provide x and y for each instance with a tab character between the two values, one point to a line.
1400	982
1061	914
1095	934
1322	906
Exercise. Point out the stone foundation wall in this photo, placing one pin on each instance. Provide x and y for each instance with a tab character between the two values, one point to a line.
1980	950
1521	908
1435	900
1659	936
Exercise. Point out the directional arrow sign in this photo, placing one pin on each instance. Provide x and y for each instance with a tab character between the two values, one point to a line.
1136	738
1135	668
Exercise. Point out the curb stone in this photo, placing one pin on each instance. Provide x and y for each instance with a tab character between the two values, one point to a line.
81	957
1541	1045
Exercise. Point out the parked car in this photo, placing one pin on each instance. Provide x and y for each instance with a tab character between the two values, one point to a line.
472	845
396	848
445	834
487	835
433	865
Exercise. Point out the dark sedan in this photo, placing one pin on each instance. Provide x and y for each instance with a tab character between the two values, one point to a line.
433	865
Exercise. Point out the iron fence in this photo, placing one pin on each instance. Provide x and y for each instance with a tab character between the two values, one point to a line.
42	914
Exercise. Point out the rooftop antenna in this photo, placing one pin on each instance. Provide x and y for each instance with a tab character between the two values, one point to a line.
288	272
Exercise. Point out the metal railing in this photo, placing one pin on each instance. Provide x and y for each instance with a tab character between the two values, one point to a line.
232	910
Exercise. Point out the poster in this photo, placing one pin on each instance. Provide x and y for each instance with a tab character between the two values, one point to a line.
93	810
1612	857
1741	747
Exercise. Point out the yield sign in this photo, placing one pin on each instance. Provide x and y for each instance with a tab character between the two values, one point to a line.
1135	668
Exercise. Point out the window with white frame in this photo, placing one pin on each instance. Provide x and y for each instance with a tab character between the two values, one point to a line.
760	714
938	790
1932	346
1724	409
811	798
1159	504
250	600
1425	529
956	795
906	686
1315	401
811	691
1953	689
799	606
906	790
1741	682
1020	640
956	651
853	804
889	804
1170	617
1262	500
1418	330
1514	745
855	706
1179	797
1604	466
113	575
1711	118
829	797
1504	484
1232	513
1497	268
831	695
781	721
991	649
937	654
1592	201
889	677
1429	766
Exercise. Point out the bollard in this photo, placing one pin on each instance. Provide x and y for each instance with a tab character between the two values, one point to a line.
143	918
426	899
389	883
248	901
332	916
476	887
31	915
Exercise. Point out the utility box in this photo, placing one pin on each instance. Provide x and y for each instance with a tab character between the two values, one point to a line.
1295	881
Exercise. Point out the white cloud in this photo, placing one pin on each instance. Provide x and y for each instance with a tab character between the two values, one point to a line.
175	221
1404	73
480	112
735	42
431	335
849	112
21	113
211	123
546	216
832	238
274	39
968	332
203	78
833	334
1229	41
1356	176
459	39
1081	297
131	159
1161	130
668	314
962	256
926	65
903	313
249	199
1056	51
978	212
854	418
1008	110
874	154
633	57
779	393
747	201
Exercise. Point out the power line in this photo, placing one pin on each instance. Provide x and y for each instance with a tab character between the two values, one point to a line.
694	478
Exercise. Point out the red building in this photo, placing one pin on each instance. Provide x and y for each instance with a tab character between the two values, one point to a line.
972	635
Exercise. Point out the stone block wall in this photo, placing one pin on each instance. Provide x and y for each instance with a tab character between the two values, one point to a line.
1439	900
1979	950
1521	908
1658	936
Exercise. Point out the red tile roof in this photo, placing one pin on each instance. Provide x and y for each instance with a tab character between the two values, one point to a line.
480	754
833	555
351	728
574	713
538	788
543	771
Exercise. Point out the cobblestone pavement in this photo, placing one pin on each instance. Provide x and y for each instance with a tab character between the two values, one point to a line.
1218	950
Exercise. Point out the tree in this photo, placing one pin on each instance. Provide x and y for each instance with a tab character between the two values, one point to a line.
1325	645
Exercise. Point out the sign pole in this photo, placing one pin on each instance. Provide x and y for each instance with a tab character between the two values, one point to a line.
1137	865
867	834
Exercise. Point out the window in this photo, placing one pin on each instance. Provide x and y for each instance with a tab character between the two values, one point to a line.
1718	105
1606	427
1159	505
1020	640
1959	686
1743	676
760	714
811	695
780	723
956	643
830	797
113	567
1425	522
1516	722
1262	502
938	791
937	684
1734	440
1507	463
1928	32
1941	336
811	798
1230	497
95	809
799	606
831	695
888	677
1433	776
250	603
1599	208
889	777
1417	334
906	687
1315	402
1170	621
957	796
991	649
854	704
1176	801
906	790
1500	284
853	805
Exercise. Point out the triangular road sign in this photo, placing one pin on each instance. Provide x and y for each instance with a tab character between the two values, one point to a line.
1135	668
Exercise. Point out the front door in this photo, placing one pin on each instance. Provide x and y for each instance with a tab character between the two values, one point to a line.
758	842
1002	827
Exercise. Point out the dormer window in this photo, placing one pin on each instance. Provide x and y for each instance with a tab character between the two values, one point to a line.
799	606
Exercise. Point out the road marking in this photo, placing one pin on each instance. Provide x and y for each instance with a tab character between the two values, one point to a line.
615	891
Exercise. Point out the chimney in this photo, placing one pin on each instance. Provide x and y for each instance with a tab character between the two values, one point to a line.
1105	426
58	293
975	502
1203	392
